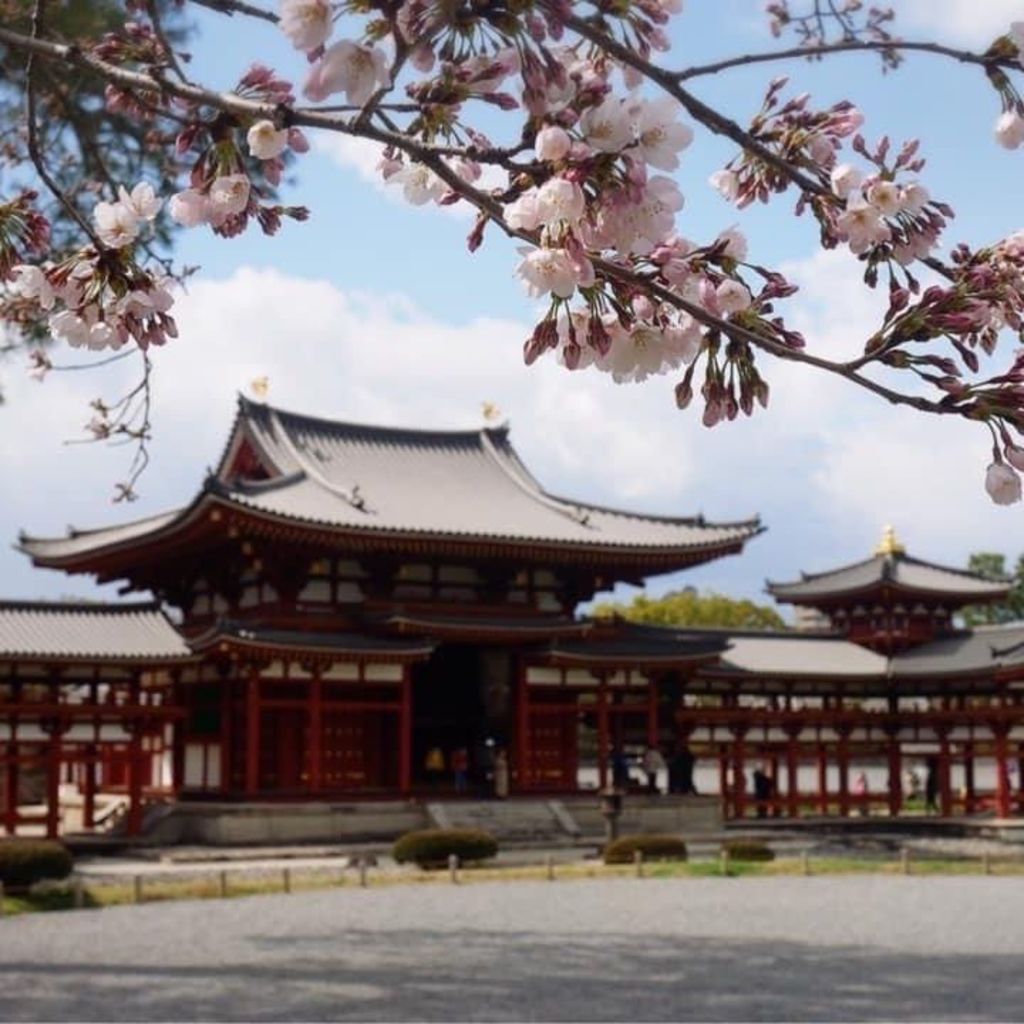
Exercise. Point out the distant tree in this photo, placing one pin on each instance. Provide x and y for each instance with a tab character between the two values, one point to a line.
992	566
692	608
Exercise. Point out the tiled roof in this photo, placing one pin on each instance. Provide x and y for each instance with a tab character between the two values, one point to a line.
298	640
88	632
447	484
898	571
793	655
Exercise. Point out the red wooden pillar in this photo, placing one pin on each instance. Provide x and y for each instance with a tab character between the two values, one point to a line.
602	731
792	776
405	734
523	731
895	777
135	769
1002	776
969	797
315	724
252	733
822	780
11	790
739	777
226	738
653	733
945	782
723	781
89	787
843	758
53	782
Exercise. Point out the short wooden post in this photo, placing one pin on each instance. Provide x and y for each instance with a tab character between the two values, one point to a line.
362	871
805	863
137	888
453	868
1	899
638	860
905	860
549	862
286	879
223	886
78	893
723	860
986	864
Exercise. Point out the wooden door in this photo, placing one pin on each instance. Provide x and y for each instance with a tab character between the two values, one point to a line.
553	750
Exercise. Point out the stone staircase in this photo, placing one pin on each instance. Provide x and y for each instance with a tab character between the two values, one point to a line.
519	822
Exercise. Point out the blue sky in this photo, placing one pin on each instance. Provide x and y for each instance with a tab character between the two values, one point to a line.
374	310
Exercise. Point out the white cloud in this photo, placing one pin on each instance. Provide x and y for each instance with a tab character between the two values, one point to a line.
969	22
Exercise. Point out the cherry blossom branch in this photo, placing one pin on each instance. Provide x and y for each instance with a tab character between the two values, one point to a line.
985	60
698	110
230	7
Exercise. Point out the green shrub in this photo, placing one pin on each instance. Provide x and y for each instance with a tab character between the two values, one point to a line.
653	847
26	861
747	850
432	847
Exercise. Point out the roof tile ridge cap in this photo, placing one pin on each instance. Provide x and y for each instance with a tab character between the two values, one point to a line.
241	408
957	572
73	534
530	487
807	577
311	471
78	605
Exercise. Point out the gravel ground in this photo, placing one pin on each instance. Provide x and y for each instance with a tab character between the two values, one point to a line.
862	948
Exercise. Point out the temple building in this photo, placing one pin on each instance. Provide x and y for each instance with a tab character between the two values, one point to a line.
342	608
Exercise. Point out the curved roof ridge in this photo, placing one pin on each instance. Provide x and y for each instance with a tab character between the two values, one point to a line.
807	577
79	605
529	484
956	571
71	532
247	405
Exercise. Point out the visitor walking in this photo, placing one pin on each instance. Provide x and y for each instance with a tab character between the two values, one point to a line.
620	769
501	775
860	792
460	769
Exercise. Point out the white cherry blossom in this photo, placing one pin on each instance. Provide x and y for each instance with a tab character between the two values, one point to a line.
420	185
357	71
845	178
862	226
31	283
733	296
552	143
117	224
307	23
726	184
660	136
189	208
229	194
142	200
559	200
1010	130
885	197
266	141
547	270
608	127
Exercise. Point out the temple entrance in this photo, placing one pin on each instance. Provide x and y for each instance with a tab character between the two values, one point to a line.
449	715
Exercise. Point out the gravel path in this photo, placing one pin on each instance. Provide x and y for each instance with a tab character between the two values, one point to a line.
842	948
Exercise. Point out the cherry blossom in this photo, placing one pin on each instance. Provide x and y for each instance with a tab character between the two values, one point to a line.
117	224
357	71
552	143
1010	129
1002	483
267	141
307	23
547	270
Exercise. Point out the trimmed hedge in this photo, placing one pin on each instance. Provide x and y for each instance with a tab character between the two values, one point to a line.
430	848
653	847
23	862
748	850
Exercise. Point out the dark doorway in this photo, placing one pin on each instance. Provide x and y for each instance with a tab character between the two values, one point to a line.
448	715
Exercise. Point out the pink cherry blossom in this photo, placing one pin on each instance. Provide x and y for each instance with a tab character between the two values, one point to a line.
1002	484
420	185
726	183
885	197
608	127
31	283
229	194
862	226
733	296
142	200
117	224
552	143
307	23
547	270
189	208
559	200
660	136
357	71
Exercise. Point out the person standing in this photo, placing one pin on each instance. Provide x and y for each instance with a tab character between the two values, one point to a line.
460	769
653	763
501	775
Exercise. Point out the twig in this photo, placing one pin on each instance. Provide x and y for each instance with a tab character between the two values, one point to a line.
230	7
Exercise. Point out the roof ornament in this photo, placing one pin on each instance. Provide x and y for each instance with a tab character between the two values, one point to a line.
356	499
890	543
260	388
491	413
